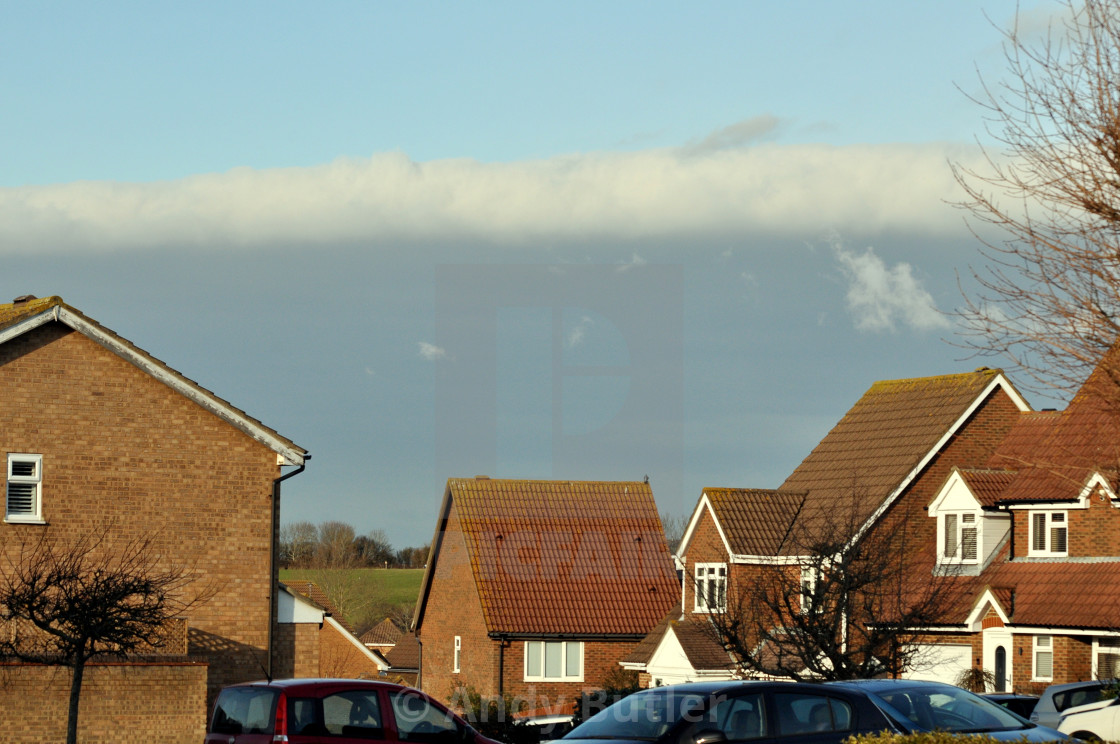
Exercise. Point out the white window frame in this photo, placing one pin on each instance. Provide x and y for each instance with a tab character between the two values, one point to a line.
1049	518
706	575
538	650
458	652
1042	644
36	481
809	576
1104	646
961	522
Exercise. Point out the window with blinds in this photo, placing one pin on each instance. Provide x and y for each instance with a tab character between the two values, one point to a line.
24	488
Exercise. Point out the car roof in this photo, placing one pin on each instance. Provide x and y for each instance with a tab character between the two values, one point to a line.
295	684
886	685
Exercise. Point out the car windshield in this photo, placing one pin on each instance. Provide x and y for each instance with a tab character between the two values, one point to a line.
643	715
948	709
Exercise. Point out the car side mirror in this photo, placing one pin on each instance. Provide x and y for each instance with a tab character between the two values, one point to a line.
709	736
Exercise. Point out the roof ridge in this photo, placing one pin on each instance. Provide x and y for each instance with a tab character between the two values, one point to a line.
984	371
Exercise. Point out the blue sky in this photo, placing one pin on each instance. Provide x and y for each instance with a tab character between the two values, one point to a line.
553	240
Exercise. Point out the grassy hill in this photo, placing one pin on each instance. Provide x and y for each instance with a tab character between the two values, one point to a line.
364	596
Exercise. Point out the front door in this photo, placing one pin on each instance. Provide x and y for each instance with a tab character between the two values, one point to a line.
997	657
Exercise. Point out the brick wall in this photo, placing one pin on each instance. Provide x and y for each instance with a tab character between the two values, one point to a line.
705	546
454	609
339	657
123	452
117	704
297	650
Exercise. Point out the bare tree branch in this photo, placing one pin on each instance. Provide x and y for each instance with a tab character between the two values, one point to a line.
1049	300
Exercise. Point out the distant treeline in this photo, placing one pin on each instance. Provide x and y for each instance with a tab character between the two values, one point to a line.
336	545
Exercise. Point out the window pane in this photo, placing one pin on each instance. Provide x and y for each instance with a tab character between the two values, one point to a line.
802	714
1044	664
572	659
532	658
1057	539
741	718
23	468
1038	540
352	713
553	660
21	498
950	535
968	544
419	720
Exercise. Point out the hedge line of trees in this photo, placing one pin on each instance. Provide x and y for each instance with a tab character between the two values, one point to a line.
336	545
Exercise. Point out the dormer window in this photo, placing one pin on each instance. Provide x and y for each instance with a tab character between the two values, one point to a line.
1049	533
959	537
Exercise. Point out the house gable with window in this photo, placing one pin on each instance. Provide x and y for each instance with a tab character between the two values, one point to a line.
538	588
1045	607
884	461
101	438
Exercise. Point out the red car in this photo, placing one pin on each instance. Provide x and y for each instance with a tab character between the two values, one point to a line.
333	711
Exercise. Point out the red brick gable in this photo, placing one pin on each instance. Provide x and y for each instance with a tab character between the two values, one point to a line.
563	557
885	439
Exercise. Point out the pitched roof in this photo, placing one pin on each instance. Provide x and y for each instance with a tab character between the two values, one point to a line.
405	655
565	557
315	593
1056	459
17	318
988	486
884	440
700	646
1061	594
645	650
385	633
755	521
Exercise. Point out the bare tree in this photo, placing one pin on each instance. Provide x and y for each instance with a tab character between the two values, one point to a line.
673	525
298	543
838	605
336	546
68	602
1049	300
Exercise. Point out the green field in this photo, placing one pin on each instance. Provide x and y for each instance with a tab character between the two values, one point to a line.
364	596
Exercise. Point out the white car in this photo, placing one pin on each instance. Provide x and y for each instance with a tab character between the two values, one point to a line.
1099	721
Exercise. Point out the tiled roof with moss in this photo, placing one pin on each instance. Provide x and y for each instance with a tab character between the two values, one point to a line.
755	521
880	441
14	313
566	557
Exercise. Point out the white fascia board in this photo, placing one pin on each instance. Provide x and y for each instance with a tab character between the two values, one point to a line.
975	618
29	324
293	607
770	560
999	381
704	503
291	455
957	487
356	643
1095	481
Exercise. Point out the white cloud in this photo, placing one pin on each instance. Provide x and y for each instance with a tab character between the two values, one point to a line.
380	201
881	297
578	332
431	352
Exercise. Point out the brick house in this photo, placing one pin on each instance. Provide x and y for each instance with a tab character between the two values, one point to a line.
98	437
536	589
884	461
1036	533
323	643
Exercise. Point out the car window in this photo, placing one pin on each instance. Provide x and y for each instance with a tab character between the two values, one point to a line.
244	710
645	715
1077	696
741	718
420	721
806	714
353	713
